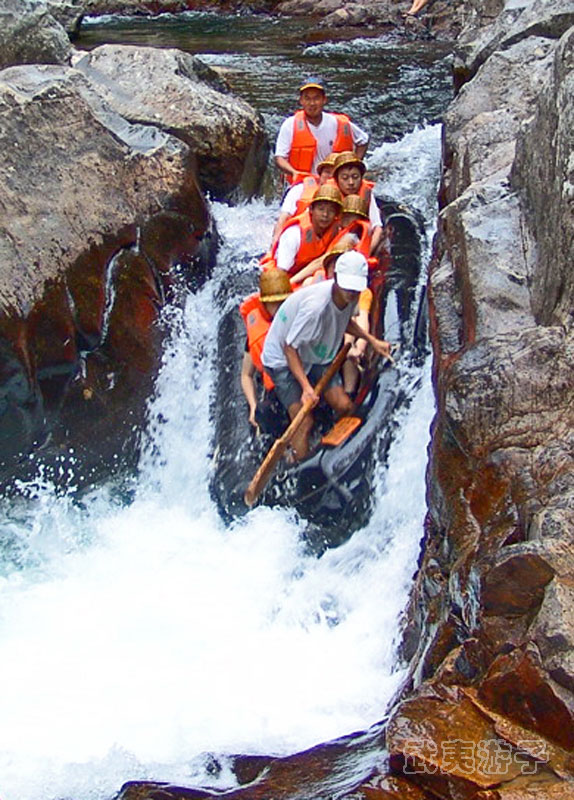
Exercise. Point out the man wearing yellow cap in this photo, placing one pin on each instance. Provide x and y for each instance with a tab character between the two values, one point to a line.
307	137
305	238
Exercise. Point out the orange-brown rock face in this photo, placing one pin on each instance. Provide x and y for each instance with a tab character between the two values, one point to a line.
490	627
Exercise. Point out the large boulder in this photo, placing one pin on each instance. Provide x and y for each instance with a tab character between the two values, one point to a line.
518	21
94	213
180	94
490	608
102	194
29	34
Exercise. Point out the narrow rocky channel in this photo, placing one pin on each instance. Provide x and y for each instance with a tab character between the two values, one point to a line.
481	704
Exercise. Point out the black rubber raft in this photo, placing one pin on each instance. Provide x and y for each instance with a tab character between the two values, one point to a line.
332	489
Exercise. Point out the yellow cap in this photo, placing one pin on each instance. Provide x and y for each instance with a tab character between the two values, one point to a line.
348	158
274	285
312	83
327	192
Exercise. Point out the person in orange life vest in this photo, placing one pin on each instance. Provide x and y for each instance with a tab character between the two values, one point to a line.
305	336
305	239
258	311
355	220
348	173
346	241
299	196
309	135
340	244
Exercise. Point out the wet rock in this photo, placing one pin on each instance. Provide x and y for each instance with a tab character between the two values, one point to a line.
544	175
537	790
180	95
442	741
79	282
463	665
29	34
517	687
499	530
553	632
342	765
513	583
387	787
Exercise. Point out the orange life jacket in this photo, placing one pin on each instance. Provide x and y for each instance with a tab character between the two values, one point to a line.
366	190
312	246
304	144
362	229
257	323
310	186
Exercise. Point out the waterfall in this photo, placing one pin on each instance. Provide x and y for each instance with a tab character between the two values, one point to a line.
139	634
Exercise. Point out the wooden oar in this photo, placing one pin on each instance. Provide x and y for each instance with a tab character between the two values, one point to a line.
280	445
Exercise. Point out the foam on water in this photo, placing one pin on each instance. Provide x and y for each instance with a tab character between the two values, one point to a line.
135	638
409	170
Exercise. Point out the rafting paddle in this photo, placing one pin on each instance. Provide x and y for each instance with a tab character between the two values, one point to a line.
265	471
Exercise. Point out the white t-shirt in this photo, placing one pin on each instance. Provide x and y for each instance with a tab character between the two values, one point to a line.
374	213
325	133
288	247
289	204
310	322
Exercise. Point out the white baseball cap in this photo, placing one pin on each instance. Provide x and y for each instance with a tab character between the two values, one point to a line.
351	271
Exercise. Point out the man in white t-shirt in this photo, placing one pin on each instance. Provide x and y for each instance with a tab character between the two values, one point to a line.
309	135
305	336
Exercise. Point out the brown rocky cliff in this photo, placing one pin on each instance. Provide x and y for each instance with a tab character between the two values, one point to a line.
490	629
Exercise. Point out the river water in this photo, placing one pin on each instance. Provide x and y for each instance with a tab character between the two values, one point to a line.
137	638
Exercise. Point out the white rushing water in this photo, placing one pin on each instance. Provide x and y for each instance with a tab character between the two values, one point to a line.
135	638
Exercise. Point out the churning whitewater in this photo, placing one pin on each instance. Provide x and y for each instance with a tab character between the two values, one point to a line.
138	634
